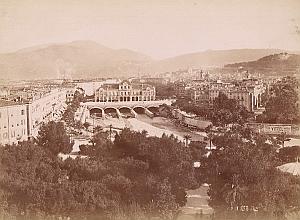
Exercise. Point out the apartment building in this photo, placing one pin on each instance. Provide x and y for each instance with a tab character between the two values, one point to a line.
44	108
20	121
247	94
13	122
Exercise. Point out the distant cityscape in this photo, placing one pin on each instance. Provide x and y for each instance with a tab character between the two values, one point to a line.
25	106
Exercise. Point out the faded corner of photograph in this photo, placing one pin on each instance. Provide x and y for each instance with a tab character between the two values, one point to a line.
149	110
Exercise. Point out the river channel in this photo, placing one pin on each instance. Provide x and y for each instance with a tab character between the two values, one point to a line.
154	126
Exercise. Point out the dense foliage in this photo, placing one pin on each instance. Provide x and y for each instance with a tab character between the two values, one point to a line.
53	138
224	111
244	180
134	177
164	91
190	107
228	111
72	107
281	104
289	154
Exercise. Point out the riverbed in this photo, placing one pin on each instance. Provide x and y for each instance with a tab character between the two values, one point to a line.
156	126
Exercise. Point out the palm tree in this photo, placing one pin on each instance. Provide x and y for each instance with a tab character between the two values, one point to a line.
187	137
144	133
210	134
110	132
234	194
86	125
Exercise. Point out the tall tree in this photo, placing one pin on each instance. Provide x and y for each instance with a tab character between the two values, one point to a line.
187	138
289	154
282	106
228	111
53	137
240	171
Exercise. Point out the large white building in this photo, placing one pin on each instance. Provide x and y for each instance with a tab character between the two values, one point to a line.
13	122
20	121
45	108
124	92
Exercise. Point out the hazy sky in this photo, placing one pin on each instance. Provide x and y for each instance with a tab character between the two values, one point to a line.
155	27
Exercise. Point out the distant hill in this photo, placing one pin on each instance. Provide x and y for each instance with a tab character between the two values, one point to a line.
87	59
76	59
212	58
276	64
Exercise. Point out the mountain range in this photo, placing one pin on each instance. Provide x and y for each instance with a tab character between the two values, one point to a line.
88	59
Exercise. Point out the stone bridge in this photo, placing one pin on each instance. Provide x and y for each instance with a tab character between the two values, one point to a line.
120	109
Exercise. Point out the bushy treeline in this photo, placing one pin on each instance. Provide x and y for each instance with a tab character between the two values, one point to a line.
282	102
224	111
245	182
140	177
134	177
72	107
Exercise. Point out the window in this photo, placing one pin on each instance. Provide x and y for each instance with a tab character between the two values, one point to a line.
22	112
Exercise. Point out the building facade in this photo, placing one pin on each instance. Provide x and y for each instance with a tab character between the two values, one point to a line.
70	94
248	94
125	92
4	92
20	121
200	93
13	122
275	129
45	108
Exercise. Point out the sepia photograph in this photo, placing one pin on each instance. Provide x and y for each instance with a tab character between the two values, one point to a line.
149	110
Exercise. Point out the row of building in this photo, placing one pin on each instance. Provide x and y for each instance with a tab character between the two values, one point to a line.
247	92
23	109
20	121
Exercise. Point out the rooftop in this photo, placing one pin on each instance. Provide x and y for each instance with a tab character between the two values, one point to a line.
4	103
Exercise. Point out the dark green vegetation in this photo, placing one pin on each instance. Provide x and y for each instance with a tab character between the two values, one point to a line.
69	113
228	111
244	181
133	177
290	154
54	139
139	177
224	111
281	102
164	91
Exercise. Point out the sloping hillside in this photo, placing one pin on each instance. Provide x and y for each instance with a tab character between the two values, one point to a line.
76	59
276	64
87	59
212	58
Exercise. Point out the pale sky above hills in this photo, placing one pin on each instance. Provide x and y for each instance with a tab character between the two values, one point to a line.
157	28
